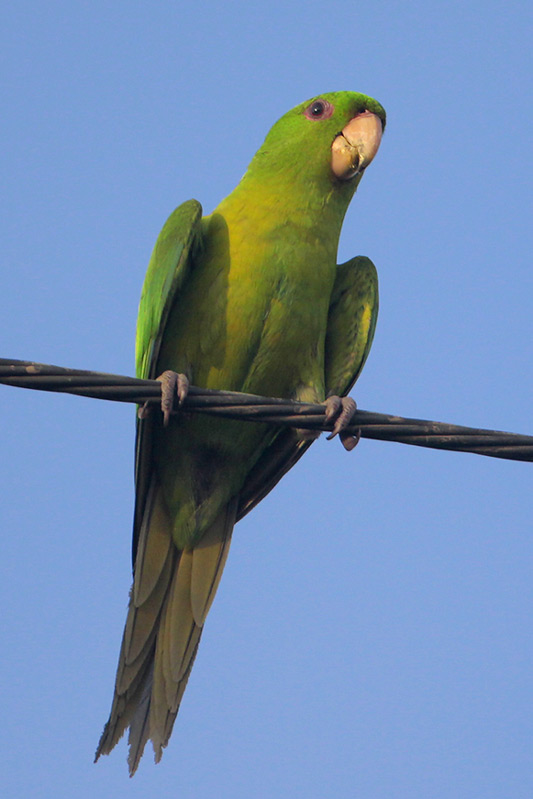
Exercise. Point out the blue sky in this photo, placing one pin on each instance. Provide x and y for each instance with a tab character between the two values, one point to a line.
372	634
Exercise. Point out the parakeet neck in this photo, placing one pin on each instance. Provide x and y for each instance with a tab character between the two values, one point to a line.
274	199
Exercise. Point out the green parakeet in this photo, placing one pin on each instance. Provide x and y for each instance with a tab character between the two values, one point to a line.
249	298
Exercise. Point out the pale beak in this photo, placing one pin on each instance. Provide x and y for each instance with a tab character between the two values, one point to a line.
354	148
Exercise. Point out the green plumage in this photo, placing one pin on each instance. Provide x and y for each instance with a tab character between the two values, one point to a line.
250	299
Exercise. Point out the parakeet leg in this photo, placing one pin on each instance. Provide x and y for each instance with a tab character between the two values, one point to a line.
172	383
341	411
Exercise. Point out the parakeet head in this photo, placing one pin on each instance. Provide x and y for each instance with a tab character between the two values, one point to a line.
328	140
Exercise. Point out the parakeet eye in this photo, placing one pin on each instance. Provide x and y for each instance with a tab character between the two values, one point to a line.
319	109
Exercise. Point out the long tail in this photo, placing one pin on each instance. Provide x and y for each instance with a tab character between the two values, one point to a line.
169	601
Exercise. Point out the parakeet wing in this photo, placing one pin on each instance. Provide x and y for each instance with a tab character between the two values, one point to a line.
169	268
352	318
170	265
351	324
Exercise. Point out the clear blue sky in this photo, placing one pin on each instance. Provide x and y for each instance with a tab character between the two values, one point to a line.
372	635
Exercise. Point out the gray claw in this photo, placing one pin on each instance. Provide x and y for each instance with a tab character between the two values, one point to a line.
348	441
143	411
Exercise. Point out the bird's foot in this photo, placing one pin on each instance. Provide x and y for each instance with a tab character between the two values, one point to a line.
341	410
172	384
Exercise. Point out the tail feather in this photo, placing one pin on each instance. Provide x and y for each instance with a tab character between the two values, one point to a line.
154	546
178	625
169	601
122	711
208	561
140	622
140	724
132	673
161	726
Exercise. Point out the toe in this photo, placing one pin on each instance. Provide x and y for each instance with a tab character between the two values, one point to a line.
182	387
347	408
169	388
333	407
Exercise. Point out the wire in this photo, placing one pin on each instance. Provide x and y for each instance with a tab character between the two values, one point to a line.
282	412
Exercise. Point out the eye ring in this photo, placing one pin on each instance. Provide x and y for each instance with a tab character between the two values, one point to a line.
319	109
